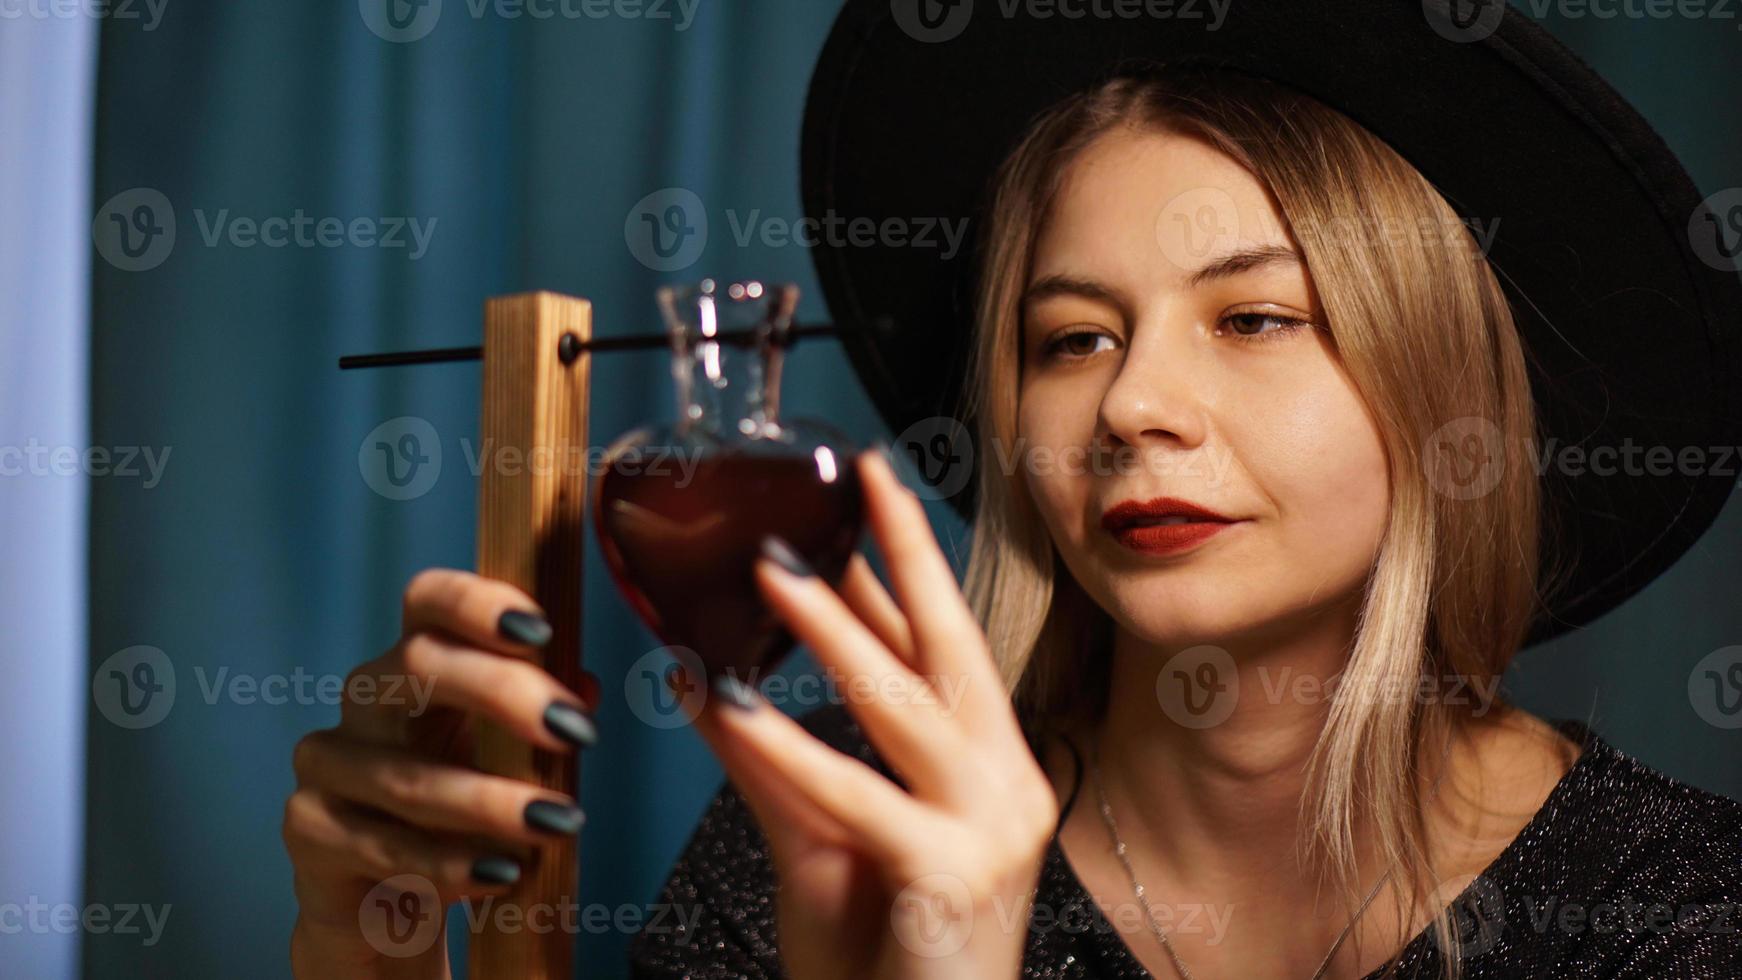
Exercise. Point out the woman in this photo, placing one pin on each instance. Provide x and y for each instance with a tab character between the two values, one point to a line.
1262	742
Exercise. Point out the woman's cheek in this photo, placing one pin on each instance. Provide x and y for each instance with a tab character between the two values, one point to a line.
1331	484
1059	492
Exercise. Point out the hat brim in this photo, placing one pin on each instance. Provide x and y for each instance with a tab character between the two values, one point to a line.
1631	334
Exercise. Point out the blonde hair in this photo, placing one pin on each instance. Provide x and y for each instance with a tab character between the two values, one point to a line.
1426	336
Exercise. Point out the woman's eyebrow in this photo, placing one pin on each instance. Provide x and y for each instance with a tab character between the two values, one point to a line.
1233	263
1059	284
1242	260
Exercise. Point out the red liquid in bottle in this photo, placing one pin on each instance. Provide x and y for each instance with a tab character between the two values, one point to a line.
683	552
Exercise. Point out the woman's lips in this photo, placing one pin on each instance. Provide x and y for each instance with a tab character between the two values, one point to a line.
1167	539
1163	525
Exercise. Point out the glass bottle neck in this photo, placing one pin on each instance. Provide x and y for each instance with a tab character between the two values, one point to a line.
725	389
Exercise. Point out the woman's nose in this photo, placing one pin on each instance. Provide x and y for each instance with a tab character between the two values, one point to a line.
1159	392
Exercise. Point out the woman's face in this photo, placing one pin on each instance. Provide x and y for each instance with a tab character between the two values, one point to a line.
1169	322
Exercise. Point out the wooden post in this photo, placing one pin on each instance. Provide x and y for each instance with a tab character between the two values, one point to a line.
531	496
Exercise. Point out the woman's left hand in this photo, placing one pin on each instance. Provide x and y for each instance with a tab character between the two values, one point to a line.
934	880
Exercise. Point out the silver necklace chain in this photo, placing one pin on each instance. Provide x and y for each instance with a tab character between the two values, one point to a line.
1143	900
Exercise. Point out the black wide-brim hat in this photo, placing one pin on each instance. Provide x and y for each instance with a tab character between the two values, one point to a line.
1629	317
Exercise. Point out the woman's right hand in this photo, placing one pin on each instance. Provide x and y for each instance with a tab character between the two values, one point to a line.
391	791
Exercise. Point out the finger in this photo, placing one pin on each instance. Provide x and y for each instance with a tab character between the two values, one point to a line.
947	637
515	694
879	817
433	795
483	612
787	819
898	709
871	602
331	842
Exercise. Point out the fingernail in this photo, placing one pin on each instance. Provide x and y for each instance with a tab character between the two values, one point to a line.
524	627
554	818
781	553
735	692
570	724
496	870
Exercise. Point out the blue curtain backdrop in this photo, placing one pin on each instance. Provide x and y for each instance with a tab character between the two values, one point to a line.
264	552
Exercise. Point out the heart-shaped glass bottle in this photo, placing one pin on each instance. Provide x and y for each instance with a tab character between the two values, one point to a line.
681	510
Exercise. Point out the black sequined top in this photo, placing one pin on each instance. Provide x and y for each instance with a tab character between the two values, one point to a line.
1623	873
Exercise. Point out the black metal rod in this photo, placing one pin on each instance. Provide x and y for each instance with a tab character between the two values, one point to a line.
396	358
650	341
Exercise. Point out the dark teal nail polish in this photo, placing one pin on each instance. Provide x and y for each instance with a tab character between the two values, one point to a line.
570	724
496	870
735	692
554	818
524	627
782	554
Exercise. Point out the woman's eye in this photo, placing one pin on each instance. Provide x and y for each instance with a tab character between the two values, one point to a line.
1262	326
1076	344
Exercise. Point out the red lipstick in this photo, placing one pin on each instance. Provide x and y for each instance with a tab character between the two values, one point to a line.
1164	525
